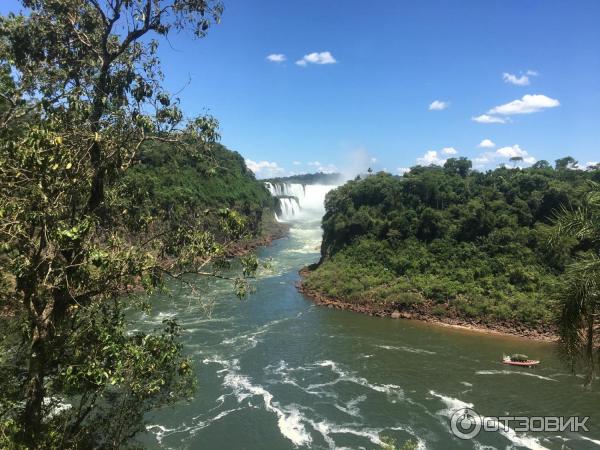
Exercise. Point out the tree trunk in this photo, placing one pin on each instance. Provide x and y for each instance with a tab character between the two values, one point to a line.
97	189
34	395
589	352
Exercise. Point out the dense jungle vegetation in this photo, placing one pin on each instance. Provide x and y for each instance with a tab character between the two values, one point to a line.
169	183
477	243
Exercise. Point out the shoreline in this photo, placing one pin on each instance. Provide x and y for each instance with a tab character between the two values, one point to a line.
423	313
275	231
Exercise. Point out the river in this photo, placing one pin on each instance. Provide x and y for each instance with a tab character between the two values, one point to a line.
277	372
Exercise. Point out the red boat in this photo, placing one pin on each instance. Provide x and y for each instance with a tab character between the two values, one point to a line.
523	363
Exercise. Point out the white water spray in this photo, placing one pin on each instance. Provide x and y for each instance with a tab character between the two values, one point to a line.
299	201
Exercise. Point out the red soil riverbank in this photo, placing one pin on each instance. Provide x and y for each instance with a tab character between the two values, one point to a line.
423	312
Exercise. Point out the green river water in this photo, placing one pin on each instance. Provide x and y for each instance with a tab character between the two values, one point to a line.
277	372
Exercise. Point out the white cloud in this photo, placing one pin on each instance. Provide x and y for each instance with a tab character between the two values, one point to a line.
276	57
438	105
482	160
488	159
449	151
296	163
403	170
486	143
430	157
591	164
523	80
317	58
484	118
511	152
373	160
264	169
526	105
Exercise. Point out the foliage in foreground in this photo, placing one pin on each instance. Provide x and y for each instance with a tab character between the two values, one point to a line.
578	292
474	243
81	232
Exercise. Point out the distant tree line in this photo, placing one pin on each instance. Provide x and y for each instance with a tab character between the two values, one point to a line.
310	178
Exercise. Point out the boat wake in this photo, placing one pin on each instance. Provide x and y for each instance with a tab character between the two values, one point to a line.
513	372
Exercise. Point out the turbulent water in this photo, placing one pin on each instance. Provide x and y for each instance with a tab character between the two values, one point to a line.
276	372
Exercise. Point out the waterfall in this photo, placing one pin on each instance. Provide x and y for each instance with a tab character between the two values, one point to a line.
298	201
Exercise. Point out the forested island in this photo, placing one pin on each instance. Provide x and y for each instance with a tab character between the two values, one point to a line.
453	244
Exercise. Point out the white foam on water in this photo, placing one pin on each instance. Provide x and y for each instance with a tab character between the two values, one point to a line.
479	446
351	407
465	383
289	418
407	349
160	432
250	339
282	371
227	364
513	372
593	441
326	429
343	376
454	404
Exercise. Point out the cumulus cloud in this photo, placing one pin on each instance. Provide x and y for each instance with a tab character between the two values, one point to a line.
591	164
515	151
485	118
503	154
431	157
438	105
510	78
402	170
317	58
276	57
525	105
296	163
522	80
449	151
486	143
264	169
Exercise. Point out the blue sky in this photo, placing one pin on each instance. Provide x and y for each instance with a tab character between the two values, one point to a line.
373	70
